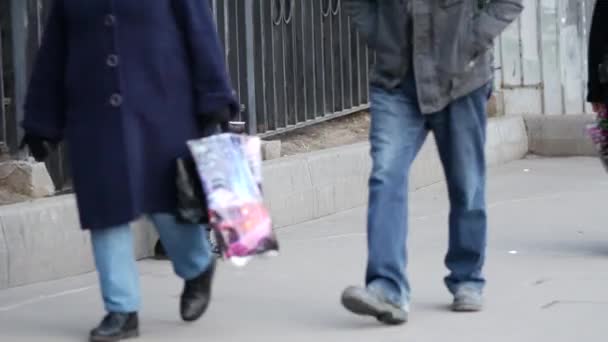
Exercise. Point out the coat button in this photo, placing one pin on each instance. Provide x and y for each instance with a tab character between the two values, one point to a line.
110	20
116	100
112	60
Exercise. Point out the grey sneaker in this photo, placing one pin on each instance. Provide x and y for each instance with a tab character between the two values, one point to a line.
467	299
364	302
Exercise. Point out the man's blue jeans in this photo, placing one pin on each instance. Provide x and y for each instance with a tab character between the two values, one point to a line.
186	245
398	130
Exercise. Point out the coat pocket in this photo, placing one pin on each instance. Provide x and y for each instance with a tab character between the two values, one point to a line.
455	38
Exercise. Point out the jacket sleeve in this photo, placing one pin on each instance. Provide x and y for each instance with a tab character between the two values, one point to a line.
494	18
597	48
213	90
45	99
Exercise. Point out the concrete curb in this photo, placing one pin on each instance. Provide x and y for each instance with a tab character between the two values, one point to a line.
309	186
42	240
560	136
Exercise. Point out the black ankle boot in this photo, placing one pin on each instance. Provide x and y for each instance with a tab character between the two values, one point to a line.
116	327
197	294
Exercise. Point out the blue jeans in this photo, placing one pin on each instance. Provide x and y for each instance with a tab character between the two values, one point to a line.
398	131
186	245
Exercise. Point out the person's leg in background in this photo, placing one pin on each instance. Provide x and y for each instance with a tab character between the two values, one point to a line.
161	254
119	283
397	134
460	132
188	248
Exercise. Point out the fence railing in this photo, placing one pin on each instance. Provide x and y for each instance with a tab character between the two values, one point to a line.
292	62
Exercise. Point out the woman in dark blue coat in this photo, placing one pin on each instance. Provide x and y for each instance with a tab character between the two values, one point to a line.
126	83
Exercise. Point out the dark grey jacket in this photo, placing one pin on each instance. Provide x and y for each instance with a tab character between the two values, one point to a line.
449	43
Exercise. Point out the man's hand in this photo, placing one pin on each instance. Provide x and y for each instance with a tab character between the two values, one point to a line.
599	107
494	18
39	147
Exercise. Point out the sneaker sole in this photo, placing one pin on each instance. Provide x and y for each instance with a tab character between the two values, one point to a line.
466	308
125	336
365	305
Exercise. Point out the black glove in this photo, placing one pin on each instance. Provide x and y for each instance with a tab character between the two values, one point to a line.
211	122
39	147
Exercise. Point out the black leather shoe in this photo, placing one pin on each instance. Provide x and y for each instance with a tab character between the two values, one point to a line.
197	294
116	327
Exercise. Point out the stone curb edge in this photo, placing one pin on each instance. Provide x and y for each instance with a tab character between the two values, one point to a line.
41	240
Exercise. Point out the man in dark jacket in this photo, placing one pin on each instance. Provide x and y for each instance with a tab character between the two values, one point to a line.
598	58
433	73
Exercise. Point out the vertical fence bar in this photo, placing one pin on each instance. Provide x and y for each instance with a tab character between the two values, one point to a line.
307	35
355	79
282	110
5	72
328	63
259	54
2	98
232	48
288	62
242	58
319	58
19	20
270	63
364	69
300	81
336	33
250	56
261	57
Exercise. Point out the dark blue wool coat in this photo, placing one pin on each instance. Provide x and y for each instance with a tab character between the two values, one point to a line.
122	81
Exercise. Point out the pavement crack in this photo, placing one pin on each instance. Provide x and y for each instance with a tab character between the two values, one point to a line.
550	305
541	281
573	302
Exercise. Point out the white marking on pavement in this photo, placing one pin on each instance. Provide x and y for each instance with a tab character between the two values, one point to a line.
43	298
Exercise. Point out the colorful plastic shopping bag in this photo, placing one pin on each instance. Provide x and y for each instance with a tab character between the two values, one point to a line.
230	167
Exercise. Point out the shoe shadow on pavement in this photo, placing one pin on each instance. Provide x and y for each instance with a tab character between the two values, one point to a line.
27	330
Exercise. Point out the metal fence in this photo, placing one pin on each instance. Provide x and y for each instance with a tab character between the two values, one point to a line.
292	62
21	24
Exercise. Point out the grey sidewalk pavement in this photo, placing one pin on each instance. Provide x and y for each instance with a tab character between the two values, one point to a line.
547	270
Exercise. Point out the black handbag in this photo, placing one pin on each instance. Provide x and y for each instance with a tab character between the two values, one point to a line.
191	199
